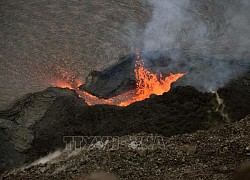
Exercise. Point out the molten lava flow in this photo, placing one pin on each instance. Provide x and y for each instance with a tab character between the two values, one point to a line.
93	100
147	83
62	84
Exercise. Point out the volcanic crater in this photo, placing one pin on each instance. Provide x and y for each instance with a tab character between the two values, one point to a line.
194	92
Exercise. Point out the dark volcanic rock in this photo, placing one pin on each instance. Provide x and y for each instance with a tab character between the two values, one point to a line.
18	124
181	110
204	73
214	154
37	124
113	80
236	96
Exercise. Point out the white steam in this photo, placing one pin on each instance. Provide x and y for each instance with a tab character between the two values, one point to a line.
211	28
205	27
168	18
48	158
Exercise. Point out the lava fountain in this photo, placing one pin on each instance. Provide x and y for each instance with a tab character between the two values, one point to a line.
147	83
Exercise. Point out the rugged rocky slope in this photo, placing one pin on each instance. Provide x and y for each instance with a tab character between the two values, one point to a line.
37	123
18	124
211	154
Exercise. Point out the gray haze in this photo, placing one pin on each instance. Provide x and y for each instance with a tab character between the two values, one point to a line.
211	28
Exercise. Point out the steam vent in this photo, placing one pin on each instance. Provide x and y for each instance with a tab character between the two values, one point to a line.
125	90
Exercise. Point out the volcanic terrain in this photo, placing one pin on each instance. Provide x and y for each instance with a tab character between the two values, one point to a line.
134	70
214	154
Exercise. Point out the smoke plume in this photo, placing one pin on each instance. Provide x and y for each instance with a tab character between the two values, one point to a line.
217	30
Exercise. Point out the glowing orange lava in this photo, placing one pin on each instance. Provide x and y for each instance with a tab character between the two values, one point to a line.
147	84
62	84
